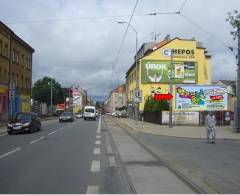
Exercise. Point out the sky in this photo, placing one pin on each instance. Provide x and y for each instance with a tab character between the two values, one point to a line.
80	51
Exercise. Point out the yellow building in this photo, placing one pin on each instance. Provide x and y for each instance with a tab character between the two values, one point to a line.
191	65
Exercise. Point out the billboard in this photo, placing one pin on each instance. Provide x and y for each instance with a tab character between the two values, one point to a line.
157	71
201	97
181	118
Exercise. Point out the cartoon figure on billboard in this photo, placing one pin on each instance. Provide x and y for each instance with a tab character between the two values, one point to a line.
195	97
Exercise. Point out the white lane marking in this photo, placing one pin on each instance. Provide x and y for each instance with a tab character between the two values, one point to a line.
3	134
97	151
52	132
98	137
42	137
97	142
99	125
8	153
112	162
92	190
34	141
95	167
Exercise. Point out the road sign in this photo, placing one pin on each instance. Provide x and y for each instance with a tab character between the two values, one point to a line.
160	96
137	98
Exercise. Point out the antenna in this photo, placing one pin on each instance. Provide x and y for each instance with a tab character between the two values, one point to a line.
155	36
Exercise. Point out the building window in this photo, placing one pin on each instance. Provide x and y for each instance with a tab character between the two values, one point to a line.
22	81
22	61
26	62
5	78
16	80
6	50
14	55
17	56
4	102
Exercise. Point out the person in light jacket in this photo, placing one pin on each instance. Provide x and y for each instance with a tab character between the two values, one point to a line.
210	123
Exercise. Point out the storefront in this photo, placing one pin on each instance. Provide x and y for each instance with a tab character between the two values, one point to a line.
25	103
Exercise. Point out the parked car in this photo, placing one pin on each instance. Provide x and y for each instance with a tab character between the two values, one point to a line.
89	112
66	116
24	122
123	114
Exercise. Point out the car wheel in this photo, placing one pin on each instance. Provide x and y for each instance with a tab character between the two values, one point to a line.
31	130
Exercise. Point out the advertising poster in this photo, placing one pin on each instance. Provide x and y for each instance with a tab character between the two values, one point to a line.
201	97
156	71
181	118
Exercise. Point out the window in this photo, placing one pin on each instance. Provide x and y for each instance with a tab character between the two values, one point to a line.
22	81
22	61
6	50
26	62
5	76
16	80
17	56
4	102
14	55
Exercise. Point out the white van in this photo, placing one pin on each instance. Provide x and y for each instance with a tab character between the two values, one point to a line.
89	112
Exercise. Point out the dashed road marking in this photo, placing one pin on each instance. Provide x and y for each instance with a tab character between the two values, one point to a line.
95	167
8	153
34	141
112	162
98	137
97	151
3	134
99	125
52	132
42	137
92	190
97	142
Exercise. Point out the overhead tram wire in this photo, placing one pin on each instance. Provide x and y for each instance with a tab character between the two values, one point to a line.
209	33
85	18
124	36
181	8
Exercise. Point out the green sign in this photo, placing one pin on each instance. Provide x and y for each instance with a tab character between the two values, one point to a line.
155	71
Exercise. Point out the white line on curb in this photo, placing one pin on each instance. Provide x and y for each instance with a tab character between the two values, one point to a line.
34	141
92	190
8	153
52	132
95	167
97	151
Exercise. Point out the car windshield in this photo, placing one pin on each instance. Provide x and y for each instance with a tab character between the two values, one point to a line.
23	116
66	114
89	110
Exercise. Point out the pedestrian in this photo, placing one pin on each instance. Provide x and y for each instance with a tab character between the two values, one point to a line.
210	123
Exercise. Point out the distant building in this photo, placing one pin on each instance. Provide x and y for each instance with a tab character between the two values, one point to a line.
15	73
79	99
117	99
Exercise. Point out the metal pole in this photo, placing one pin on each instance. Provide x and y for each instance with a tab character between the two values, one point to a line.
237	110
51	97
171	89
137	79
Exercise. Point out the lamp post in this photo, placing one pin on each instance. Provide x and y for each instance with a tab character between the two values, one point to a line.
136	64
51	96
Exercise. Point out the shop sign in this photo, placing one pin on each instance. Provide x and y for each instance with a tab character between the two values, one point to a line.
179	53
181	118
157	71
201	97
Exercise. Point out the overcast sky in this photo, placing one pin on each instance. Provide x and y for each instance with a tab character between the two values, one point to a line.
81	52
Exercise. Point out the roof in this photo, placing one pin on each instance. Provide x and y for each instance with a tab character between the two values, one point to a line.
227	82
26	45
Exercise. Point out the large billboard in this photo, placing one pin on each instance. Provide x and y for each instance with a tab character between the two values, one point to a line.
157	71
201	97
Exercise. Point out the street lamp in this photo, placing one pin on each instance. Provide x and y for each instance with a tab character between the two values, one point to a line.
51	96
136	64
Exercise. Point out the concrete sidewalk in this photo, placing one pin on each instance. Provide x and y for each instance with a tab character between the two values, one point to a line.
222	132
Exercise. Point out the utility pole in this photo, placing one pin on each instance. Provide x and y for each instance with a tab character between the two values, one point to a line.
171	89
137	80
51	99
237	109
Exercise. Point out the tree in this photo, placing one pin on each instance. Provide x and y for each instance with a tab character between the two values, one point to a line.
41	91
155	105
234	20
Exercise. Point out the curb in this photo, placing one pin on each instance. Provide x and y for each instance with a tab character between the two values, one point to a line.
152	133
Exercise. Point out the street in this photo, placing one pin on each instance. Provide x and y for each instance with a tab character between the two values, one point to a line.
62	158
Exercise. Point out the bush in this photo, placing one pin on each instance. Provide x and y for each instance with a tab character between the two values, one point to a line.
155	105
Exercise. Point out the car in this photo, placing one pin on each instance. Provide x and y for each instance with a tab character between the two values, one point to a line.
24	122
89	112
123	114
66	116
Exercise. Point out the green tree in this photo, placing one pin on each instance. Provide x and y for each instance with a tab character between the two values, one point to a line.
41	91
234	20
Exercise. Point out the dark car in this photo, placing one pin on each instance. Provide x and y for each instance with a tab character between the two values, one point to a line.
24	122
66	116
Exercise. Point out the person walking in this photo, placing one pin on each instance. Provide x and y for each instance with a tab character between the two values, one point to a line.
210	123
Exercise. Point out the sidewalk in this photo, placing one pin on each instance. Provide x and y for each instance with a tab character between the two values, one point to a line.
222	132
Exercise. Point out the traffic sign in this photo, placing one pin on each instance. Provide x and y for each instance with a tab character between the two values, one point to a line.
137	98
160	96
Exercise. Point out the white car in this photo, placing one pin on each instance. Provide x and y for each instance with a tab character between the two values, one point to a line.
89	112
79	115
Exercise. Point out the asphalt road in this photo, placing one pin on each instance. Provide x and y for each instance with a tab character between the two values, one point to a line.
62	158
